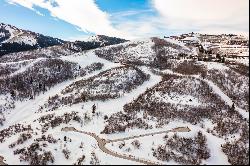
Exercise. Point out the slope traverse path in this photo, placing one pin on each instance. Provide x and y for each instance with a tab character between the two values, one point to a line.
216	89
102	142
227	99
21	109
23	69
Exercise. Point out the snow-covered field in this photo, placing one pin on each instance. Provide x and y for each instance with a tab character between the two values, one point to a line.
156	104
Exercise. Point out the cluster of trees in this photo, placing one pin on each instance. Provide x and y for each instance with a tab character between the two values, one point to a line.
38	78
161	43
136	144
22	56
113	53
22	138
94	159
13	130
52	121
233	85
120	121
49	138
35	155
239	68
66	153
238	150
238	42
190	68
109	84
6	105
80	161
2	118
7	69
226	120
164	51
42	76
231	122
91	68
183	150
14	47
100	42
11	48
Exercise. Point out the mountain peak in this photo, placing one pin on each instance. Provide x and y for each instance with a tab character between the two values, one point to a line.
13	39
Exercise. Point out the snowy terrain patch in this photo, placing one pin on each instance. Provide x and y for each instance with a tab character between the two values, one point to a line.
177	99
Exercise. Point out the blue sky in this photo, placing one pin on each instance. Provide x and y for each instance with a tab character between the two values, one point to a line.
113	6
77	19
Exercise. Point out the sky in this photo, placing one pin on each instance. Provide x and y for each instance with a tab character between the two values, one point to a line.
130	19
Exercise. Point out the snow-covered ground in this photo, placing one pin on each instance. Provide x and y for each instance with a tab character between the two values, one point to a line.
24	109
22	38
149	142
178	99
26	112
244	60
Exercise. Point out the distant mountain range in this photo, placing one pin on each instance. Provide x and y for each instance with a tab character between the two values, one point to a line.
13	39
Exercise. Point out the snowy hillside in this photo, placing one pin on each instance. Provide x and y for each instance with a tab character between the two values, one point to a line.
105	40
148	101
19	45
13	39
153	52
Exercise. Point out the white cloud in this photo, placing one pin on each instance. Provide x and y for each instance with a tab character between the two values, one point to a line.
164	18
84	14
138	23
205	15
26	3
130	13
146	26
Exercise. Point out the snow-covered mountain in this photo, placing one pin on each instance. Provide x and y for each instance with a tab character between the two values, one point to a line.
13	39
96	42
111	101
153	52
17	43
103	40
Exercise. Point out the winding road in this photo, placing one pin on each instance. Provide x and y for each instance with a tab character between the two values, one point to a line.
102	142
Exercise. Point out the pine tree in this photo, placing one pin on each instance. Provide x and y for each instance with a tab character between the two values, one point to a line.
223	60
93	108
